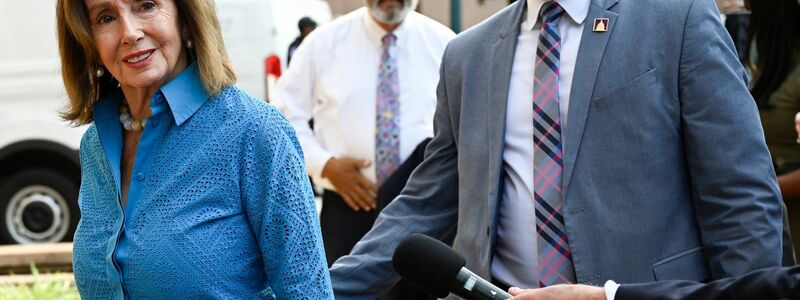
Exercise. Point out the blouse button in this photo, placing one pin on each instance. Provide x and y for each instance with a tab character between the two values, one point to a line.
140	177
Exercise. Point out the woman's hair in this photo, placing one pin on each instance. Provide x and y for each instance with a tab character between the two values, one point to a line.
775	28
80	59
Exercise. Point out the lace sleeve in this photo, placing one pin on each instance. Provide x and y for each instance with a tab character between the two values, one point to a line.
281	211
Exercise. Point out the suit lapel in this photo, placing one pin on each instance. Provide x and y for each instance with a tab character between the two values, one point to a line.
590	54
502	59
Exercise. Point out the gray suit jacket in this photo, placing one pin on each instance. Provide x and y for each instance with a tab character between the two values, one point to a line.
666	173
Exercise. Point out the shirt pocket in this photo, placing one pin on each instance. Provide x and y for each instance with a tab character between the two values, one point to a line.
638	89
686	265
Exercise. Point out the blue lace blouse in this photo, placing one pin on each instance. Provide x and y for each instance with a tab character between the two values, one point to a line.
219	204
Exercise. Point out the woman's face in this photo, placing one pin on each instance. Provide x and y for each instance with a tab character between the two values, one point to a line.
139	41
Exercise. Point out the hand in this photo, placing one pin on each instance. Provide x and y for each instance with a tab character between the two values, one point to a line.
797	122
357	191
560	291
729	5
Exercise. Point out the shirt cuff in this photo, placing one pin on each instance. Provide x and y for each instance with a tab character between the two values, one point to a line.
611	289
316	163
316	160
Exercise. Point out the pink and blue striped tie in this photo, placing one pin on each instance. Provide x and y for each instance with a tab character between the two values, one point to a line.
387	131
555	260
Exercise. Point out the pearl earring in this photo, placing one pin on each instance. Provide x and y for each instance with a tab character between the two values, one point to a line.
99	72
189	44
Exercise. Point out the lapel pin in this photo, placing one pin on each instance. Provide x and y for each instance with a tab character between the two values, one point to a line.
600	25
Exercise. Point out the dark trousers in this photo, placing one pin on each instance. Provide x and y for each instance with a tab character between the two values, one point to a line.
791	221
342	227
791	231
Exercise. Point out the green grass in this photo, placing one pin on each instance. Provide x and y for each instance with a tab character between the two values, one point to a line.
43	288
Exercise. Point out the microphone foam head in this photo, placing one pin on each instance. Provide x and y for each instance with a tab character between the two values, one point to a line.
427	264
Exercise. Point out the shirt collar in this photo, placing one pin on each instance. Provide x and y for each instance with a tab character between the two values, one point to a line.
185	94
375	33
576	9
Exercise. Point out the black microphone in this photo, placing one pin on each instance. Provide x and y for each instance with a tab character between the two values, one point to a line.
435	268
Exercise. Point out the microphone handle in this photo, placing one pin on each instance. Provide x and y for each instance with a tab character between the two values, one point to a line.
470	286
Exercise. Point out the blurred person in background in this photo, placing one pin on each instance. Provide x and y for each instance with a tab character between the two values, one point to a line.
774	60
190	187
368	80
306	26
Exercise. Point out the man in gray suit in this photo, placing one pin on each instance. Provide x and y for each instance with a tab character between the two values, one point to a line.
587	140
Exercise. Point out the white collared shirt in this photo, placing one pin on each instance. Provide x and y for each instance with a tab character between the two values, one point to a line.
515	252
333	79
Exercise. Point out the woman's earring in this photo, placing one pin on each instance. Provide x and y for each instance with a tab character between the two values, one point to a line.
189	44
99	72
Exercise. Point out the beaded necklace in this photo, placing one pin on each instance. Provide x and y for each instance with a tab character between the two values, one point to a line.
128	122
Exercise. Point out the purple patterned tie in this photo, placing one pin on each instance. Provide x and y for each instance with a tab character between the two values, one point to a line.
555	261
387	131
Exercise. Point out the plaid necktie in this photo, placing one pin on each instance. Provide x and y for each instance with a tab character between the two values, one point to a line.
387	131
555	261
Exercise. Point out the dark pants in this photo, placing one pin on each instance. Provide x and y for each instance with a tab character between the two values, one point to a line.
791	231
791	220
737	24
342	227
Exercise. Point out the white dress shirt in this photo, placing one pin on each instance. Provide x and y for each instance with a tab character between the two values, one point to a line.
333	79
515	252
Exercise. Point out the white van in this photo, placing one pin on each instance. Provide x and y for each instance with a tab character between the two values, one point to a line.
39	162
39	165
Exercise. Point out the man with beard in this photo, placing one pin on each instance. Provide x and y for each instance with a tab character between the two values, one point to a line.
588	140
368	79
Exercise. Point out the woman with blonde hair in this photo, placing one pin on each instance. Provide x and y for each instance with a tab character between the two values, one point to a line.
190	187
